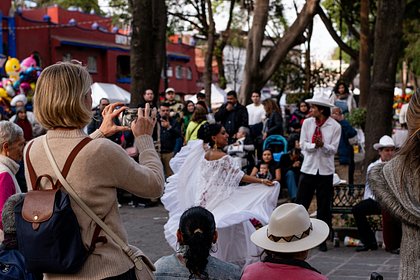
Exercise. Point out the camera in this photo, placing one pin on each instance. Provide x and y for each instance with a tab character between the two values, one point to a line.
128	116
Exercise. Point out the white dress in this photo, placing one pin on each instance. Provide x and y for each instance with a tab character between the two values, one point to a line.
215	186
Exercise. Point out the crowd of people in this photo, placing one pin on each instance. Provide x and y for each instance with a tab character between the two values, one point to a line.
214	175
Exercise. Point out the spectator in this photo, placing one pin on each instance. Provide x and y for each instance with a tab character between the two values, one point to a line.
274	122
63	105
148	97
97	120
264	172
197	120
11	152
22	121
396	186
232	115
319	141
170	131
369	205
256	116
187	112
20	101
175	107
241	150
295	124
201	97
343	98
286	242
267	157
290	164
344	164
196	236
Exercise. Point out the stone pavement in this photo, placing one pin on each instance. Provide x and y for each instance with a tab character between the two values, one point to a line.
145	230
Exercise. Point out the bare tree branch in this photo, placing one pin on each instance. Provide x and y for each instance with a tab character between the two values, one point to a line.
328	24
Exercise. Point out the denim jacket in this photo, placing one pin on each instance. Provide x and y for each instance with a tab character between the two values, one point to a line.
170	268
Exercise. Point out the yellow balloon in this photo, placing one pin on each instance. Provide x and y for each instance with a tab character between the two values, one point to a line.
3	93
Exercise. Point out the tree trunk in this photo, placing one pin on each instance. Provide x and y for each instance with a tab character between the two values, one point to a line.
148	47
220	46
351	71
208	64
257	72
308	59
388	33
364	54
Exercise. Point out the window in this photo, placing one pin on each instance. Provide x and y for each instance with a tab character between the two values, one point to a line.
188	73
123	66
91	64
178	72
66	57
169	72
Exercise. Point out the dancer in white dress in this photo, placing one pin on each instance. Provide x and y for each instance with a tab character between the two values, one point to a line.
209	178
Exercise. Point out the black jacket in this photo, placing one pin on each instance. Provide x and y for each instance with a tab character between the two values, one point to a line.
232	120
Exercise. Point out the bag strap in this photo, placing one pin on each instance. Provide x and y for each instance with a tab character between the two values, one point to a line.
32	174
130	253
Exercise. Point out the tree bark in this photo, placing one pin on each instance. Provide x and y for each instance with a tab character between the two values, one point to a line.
364	54
308	59
148	47
257	72
220	46
351	71
208	67
388	33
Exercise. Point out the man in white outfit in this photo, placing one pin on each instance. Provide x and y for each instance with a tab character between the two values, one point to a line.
256	116
319	139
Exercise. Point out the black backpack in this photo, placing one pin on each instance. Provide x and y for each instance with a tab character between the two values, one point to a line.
47	229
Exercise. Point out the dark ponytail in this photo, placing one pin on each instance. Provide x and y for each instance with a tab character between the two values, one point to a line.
207	130
197	227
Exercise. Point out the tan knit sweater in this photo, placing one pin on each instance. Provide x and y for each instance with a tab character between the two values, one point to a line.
96	172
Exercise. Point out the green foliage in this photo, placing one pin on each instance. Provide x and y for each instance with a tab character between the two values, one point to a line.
357	118
336	55
411	37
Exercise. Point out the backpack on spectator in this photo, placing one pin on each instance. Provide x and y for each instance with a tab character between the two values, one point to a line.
12	266
47	229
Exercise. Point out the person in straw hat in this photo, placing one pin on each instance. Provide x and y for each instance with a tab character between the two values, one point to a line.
286	242
369	205
319	140
396	185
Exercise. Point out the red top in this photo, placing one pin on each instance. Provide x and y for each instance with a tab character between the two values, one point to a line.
273	271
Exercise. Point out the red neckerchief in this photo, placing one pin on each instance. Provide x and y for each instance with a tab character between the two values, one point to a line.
318	132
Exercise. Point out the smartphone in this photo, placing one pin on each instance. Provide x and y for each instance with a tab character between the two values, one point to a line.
128	116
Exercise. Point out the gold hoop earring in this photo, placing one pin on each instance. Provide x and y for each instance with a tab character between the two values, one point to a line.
177	247
214	247
215	146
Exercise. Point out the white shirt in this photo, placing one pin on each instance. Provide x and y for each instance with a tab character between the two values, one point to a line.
256	114
368	192
319	159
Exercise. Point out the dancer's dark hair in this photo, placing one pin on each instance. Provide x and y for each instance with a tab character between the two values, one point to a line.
207	130
197	227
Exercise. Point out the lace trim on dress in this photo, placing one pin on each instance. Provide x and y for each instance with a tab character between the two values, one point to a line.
218	178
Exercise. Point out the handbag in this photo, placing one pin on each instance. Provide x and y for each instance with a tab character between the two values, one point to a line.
47	229
144	267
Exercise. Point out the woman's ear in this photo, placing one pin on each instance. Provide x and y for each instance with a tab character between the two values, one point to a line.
179	237
215	236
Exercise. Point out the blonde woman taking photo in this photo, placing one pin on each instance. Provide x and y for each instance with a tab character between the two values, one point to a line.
63	105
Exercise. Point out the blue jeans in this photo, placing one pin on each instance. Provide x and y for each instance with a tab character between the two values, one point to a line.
291	184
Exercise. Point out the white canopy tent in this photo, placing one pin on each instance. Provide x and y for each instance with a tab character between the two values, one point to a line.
218	97
113	92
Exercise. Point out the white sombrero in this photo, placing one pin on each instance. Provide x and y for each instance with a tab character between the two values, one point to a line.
321	100
290	230
384	142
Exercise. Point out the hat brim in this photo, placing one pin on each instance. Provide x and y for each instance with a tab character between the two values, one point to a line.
378	146
320	103
318	235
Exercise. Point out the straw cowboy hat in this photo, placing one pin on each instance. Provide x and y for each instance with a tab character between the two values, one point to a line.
384	142
290	230
321	100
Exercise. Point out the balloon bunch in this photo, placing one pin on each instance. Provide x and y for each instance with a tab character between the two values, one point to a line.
21	79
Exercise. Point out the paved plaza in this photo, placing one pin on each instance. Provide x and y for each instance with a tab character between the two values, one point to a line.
145	230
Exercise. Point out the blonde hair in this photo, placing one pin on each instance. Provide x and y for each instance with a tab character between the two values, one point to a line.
60	94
